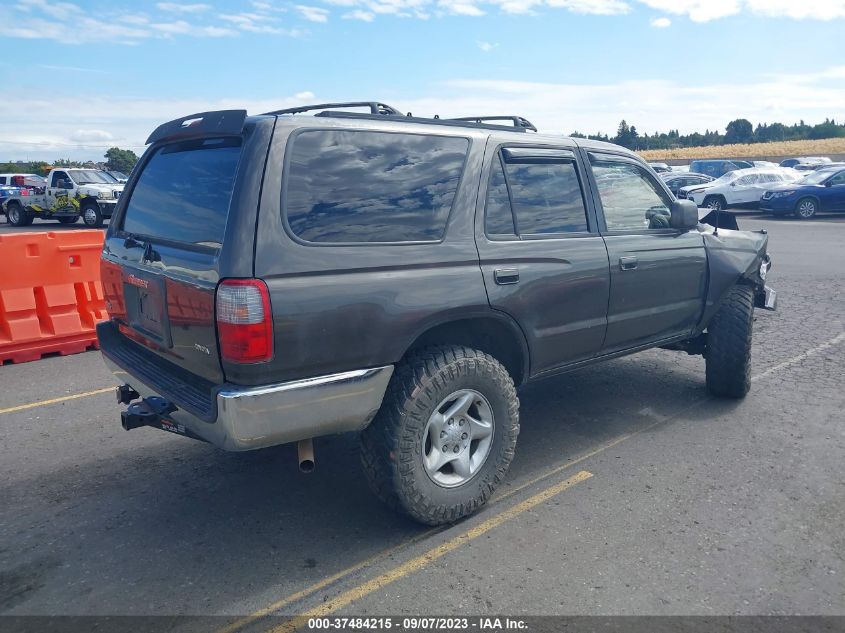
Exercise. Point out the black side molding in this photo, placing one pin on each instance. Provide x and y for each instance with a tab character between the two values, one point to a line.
200	124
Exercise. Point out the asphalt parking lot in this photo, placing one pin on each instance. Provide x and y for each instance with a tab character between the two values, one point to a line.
633	492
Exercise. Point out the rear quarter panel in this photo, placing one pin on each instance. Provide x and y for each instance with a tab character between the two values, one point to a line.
343	307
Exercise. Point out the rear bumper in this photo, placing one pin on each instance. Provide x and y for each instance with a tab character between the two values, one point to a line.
248	418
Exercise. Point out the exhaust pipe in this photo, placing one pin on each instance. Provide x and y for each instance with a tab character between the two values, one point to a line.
305	451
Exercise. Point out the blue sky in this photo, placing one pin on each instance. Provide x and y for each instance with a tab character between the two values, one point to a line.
83	76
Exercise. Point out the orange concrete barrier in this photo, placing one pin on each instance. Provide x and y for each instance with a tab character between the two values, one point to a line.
51	297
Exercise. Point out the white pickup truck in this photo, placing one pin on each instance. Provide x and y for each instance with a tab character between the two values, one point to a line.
70	193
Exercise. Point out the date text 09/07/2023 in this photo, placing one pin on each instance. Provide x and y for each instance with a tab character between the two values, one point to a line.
417	624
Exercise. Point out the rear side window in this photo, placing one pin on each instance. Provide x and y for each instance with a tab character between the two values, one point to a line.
184	191
545	193
359	186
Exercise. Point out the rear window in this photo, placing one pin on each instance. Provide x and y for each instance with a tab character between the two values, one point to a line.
184	191
359	186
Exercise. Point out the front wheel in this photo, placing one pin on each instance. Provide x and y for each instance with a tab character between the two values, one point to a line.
445	434
16	215
714	203
91	215
806	208
728	353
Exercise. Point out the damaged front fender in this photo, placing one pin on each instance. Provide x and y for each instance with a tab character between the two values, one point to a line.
734	257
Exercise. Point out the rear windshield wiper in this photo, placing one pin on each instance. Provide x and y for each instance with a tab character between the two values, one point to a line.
135	241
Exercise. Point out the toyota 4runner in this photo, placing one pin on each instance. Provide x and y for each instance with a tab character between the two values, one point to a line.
275	278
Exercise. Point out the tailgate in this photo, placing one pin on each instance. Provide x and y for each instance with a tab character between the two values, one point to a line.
160	262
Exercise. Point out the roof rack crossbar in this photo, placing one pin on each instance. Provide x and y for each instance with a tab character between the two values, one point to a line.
414	119
517	121
375	108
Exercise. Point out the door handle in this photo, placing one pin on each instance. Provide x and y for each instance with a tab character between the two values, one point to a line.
628	263
504	276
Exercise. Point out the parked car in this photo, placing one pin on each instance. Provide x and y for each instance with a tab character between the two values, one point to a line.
119	176
369	284
764	163
806	160
70	193
7	192
717	168
33	182
740	188
808	167
660	167
822	190
675	180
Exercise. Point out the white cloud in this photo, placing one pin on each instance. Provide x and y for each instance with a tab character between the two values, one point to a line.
460	7
803	9
91	136
49	20
697	10
33	127
486	46
595	7
258	23
75	69
661	23
358	14
313	14
177	7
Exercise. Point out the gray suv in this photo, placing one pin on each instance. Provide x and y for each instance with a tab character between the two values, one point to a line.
275	278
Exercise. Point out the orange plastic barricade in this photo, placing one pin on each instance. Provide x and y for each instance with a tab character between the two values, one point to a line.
51	297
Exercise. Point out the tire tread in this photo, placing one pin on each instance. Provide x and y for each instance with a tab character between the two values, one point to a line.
728	355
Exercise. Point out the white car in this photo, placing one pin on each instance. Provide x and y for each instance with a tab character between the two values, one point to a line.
739	188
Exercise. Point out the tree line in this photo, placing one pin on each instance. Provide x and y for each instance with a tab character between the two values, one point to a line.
737	131
116	159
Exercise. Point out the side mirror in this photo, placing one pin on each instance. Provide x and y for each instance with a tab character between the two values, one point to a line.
684	215
828	184
733	184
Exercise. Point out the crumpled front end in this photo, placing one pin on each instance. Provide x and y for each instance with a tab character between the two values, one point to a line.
734	257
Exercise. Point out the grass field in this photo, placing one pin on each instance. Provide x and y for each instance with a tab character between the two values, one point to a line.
757	150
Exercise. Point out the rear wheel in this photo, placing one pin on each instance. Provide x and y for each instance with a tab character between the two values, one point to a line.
716	203
91	215
728	353
16	215
445	434
806	208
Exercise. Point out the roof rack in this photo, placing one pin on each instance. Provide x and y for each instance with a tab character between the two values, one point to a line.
374	106
378	110
518	121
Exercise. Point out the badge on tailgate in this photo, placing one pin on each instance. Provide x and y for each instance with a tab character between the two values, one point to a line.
146	306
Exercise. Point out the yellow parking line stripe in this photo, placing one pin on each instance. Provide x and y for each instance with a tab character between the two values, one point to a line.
44	403
419	562
304	593
307	591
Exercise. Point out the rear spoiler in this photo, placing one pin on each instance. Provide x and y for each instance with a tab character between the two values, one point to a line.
200	124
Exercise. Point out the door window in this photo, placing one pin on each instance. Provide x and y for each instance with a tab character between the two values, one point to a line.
838	179
58	176
631	200
535	195
499	218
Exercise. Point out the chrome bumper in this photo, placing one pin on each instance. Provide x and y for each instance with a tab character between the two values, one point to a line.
257	417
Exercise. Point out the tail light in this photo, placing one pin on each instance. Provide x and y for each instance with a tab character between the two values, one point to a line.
244	321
